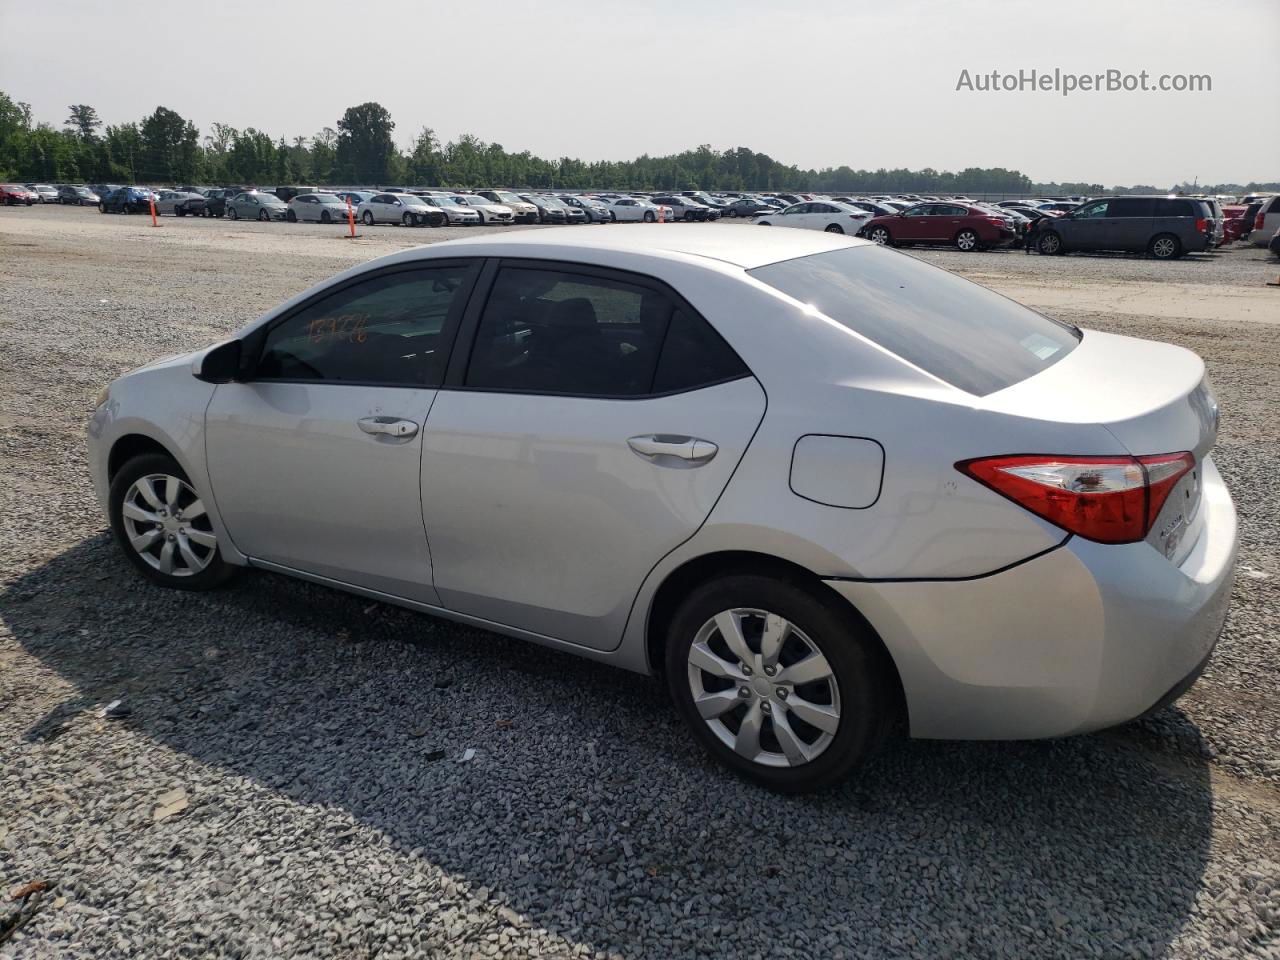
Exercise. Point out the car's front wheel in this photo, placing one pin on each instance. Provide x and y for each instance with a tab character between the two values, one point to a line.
1049	244
263	215
163	526
880	235
779	684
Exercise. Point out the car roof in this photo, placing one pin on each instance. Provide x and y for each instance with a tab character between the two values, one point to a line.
746	246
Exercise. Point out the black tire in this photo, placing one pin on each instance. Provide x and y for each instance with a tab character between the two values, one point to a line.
967	241
1165	246
179	212
833	228
367	217
406	220
102	208
232	212
324	217
292	216
218	570
263	215
763	223
864	681
1050	244
733	212
649	216
881	235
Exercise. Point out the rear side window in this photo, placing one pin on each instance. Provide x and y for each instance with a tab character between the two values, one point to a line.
960	332
1173	207
548	331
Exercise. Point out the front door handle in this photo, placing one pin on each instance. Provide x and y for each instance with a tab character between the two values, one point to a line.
670	450
388	427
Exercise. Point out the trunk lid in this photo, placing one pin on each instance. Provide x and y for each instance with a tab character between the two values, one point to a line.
1152	397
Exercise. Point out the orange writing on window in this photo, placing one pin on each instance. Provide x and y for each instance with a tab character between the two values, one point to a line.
348	328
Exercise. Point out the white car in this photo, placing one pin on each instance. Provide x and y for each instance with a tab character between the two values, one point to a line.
406	209
454	212
1265	223
318	207
825	215
635	208
44	191
489	211
822	487
525	212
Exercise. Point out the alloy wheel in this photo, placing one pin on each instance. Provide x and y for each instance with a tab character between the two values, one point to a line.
966	240
763	687
1164	247
167	525
880	235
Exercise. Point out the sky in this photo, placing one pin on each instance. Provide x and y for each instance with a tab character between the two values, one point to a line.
815	83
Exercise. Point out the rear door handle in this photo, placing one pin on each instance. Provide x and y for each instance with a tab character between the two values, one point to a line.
671	450
388	427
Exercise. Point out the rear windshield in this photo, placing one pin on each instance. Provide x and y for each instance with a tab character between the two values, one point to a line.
962	333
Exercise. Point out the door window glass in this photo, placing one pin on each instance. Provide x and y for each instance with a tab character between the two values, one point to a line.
384	330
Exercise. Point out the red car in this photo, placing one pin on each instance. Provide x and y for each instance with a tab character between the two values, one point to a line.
953	224
11	194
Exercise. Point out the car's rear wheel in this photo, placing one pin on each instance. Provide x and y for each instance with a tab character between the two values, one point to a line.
782	686
1050	244
368	218
1165	246
163	526
967	241
291	216
834	228
880	235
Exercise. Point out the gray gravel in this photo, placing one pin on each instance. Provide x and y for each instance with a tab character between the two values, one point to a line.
289	780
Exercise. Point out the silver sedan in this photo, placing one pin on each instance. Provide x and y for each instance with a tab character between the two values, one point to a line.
318	207
254	205
566	438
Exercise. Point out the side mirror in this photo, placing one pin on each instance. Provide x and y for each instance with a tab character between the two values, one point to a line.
220	364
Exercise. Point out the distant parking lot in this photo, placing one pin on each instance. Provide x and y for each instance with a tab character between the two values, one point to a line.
303	771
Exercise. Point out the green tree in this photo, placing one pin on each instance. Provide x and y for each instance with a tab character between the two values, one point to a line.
365	149
170	147
83	119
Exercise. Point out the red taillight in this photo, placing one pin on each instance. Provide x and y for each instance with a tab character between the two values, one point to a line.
998	221
1107	499
1259	220
1201	224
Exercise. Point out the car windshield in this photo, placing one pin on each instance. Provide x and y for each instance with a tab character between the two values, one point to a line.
960	332
508	197
328	198
414	201
555	202
472	201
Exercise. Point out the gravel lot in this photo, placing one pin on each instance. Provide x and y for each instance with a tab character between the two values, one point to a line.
319	742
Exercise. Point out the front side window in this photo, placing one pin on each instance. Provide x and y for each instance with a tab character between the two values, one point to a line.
550	331
384	330
920	211
1095	210
960	332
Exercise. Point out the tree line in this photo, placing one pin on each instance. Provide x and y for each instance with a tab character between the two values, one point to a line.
166	148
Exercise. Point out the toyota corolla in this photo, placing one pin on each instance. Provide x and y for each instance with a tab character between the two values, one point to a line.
825	489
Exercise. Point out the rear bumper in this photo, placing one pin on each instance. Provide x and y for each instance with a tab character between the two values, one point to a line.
1081	638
